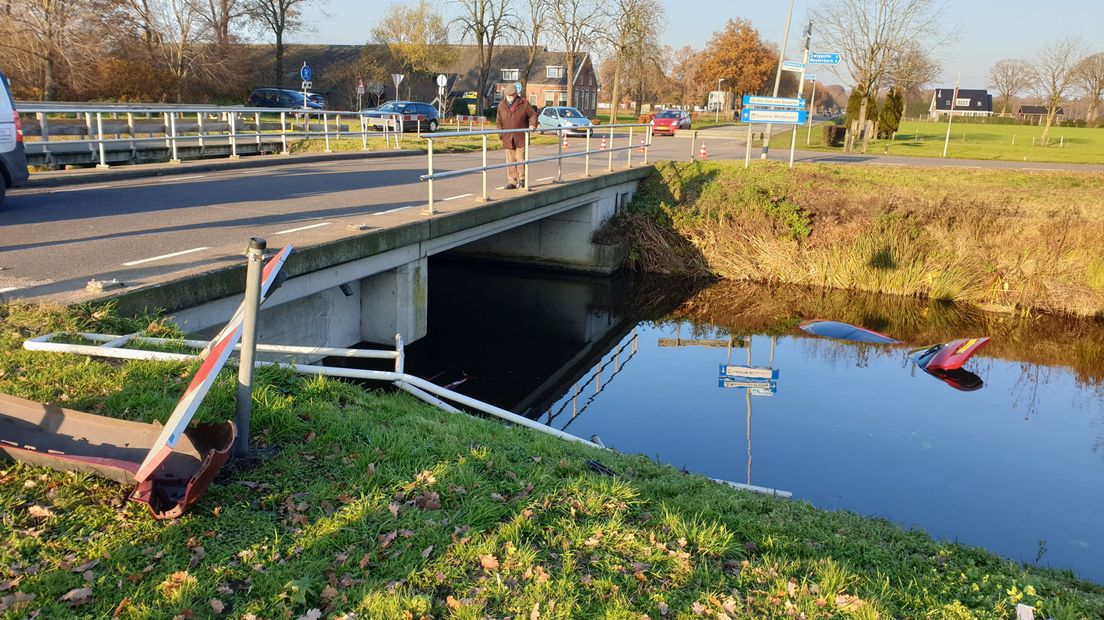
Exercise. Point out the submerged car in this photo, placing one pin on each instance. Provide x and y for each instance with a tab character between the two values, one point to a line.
669	121
13	162
563	118
430	117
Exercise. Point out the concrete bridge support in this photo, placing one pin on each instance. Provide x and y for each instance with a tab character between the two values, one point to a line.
395	302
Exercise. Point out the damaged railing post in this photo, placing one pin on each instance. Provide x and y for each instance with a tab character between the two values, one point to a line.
255	257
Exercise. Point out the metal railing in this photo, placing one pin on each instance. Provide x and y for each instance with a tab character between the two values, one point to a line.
175	126
604	132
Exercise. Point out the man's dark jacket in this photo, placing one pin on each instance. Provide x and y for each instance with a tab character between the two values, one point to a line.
520	115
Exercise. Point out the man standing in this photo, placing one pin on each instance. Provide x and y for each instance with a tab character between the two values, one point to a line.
514	112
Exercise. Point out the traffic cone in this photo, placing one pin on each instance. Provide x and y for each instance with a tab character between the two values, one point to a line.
564	144
642	145
703	154
603	147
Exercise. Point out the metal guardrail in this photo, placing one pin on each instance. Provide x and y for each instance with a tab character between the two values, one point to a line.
608	150
175	125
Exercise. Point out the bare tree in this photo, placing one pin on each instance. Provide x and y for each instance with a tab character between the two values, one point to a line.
872	33
576	24
1054	77
486	22
632	35
1089	75
220	16
43	31
1010	77
910	71
281	18
530	33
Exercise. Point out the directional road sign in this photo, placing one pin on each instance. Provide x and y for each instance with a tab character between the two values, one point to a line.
810	77
773	102
791	65
758	388
822	58
305	72
748	372
782	117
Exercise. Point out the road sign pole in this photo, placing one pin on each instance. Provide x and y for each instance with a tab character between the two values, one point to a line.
950	115
801	87
747	149
809	123
255	256
778	73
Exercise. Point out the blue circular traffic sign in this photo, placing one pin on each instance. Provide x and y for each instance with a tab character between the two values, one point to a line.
305	73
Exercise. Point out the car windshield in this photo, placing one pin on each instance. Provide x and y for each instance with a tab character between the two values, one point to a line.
570	113
667	114
392	107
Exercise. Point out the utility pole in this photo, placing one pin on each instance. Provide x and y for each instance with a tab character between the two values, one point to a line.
950	115
778	74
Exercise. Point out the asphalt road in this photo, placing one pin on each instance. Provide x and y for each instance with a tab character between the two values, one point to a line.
53	240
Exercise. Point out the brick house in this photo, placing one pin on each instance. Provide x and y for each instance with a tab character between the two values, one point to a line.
1036	114
545	85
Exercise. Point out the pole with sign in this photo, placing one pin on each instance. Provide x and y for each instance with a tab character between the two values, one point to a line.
397	78
306	74
801	86
442	81
822	58
360	94
778	74
812	106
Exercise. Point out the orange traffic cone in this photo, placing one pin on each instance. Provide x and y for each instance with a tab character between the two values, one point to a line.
703	154
642	145
603	147
564	144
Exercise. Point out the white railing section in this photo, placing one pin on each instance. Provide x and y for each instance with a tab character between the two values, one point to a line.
604	132
177	125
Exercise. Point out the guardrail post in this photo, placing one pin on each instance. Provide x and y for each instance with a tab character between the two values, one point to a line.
255	256
165	129
694	146
647	142
172	134
559	157
283	132
586	158
484	198
363	133
326	130
257	126
199	127
628	160
43	128
99	140
233	135
610	165
337	125
526	168
429	165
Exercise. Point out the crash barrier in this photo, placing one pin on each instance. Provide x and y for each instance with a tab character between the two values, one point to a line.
608	132
424	390
113	133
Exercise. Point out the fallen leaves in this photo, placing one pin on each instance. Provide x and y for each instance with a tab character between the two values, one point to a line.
488	562
385	540
217	606
428	500
15	601
176	582
38	511
77	596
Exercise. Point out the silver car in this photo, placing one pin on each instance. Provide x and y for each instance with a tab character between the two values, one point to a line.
563	118
13	162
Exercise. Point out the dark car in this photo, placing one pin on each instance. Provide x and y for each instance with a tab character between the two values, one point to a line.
280	98
410	110
13	162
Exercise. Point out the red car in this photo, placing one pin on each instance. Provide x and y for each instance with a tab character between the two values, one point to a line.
669	121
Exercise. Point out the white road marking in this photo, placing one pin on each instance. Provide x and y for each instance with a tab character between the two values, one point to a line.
393	210
545	179
455	197
291	230
163	256
9	289
79	189
194	176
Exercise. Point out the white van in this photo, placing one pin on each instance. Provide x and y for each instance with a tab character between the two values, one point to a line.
13	163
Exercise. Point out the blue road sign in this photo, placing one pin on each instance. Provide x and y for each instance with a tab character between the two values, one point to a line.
756	101
305	73
747	372
822	58
782	117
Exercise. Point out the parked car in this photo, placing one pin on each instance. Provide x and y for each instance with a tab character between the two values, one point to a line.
431	118
563	118
317	98
669	121
280	98
13	161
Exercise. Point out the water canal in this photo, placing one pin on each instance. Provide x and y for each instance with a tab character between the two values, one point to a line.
1016	467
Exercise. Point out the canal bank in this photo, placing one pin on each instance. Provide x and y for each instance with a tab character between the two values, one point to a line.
1006	241
373	504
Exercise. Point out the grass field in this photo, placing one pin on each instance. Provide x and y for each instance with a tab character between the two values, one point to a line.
370	505
976	141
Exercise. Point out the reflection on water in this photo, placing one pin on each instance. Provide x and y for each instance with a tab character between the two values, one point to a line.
722	383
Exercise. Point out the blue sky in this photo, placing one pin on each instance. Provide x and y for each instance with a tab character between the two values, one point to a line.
1017	29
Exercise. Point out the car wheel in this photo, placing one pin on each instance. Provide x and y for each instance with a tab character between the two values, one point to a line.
3	189
432	126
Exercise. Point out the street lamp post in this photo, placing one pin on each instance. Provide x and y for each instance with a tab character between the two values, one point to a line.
717	116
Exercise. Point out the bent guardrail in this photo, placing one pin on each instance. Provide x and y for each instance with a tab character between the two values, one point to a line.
608	150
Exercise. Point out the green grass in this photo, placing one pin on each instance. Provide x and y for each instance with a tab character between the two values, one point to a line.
975	141
372	504
1005	240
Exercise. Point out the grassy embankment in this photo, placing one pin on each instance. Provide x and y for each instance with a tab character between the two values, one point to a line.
371	505
974	141
1003	240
